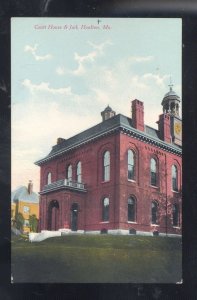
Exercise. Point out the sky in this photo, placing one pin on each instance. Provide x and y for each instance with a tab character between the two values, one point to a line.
65	71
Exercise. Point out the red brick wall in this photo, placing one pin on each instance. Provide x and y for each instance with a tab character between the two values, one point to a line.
141	188
118	189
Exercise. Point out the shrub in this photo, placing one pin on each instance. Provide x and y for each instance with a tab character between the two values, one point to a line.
19	221
33	223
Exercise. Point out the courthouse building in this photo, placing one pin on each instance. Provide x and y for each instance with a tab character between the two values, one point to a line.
120	176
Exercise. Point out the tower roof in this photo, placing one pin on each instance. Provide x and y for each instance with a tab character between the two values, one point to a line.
171	95
108	109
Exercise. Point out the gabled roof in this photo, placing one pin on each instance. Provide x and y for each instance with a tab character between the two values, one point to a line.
21	194
110	125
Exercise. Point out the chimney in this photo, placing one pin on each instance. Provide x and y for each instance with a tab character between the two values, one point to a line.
137	108
164	127
30	187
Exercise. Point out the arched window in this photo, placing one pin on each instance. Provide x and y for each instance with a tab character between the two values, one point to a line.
69	173
154	212
153	171
106	166
49	178
131	164
131	209
79	172
175	215
174	178
105	209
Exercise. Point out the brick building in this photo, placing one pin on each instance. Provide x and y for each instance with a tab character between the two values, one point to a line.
120	176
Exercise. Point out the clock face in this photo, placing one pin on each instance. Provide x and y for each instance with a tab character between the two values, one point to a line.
177	128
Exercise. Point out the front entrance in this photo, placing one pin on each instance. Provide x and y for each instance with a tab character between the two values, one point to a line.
74	217
53	215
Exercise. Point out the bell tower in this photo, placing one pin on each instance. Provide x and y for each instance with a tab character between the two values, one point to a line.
171	106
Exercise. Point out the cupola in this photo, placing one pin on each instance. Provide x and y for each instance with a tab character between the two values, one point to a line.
107	113
171	102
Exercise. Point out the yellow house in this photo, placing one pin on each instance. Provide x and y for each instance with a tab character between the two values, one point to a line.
25	203
13	211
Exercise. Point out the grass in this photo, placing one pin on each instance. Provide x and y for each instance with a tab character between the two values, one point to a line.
98	259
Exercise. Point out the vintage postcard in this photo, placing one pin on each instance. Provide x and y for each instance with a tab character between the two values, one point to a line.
96	150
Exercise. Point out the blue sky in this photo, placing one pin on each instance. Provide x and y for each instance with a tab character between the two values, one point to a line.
63	78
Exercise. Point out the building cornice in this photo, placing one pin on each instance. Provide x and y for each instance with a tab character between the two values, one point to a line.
144	137
139	135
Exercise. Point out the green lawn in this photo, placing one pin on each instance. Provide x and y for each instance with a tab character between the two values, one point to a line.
98	258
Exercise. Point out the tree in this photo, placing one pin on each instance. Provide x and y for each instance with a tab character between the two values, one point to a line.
19	221
33	223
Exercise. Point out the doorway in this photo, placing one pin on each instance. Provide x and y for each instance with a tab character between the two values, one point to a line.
53	215
74	216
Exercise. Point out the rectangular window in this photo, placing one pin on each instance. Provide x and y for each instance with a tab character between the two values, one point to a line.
174	184
26	209
107	173
130	172
153	179
131	213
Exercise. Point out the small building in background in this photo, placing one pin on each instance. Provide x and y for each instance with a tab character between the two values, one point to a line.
25	208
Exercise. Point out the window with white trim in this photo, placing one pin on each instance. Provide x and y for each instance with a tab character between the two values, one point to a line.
175	215
174	178
131	164
106	166
79	172
49	178
69	173
131	209
153	172
105	209
154	212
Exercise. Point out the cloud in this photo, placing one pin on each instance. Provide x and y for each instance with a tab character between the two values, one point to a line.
36	127
34	132
100	47
33	50
44	87
157	78
118	84
60	70
140	59
83	60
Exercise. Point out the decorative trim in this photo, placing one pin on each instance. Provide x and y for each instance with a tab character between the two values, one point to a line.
131	180
60	188
139	135
154	187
